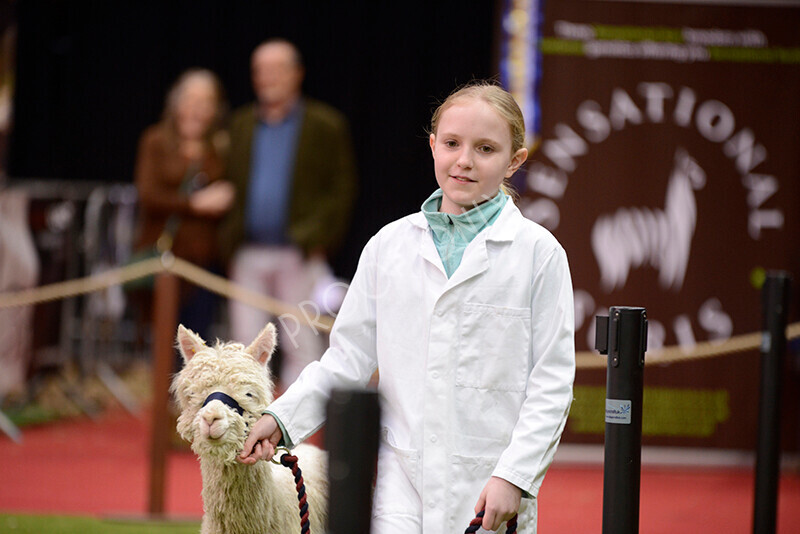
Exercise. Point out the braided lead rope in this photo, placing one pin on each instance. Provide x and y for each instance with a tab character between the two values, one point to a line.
290	461
475	524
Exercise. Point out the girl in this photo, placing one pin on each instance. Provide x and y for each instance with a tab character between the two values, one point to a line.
466	310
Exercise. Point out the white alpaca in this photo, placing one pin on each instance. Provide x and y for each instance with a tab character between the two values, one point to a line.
238	498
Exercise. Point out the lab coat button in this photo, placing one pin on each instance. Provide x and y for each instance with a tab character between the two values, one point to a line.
433	439
435	374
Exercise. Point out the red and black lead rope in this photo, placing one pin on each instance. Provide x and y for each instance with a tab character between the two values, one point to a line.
290	461
475	524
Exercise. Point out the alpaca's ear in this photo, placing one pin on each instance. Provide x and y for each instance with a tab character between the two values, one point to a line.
189	343
264	345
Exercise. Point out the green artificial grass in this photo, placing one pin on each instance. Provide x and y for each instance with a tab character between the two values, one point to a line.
47	524
31	414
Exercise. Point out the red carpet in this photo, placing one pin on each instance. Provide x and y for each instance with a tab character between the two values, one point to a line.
686	501
100	468
92	468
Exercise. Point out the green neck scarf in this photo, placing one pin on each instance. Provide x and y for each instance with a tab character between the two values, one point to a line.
452	233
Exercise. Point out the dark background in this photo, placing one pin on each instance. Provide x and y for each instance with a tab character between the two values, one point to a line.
92	75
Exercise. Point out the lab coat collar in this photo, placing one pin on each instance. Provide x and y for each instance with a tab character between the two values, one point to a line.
476	256
506	225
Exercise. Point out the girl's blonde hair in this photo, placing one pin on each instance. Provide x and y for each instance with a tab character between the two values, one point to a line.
502	102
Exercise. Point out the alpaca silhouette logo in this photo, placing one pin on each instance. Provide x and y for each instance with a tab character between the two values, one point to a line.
656	239
638	237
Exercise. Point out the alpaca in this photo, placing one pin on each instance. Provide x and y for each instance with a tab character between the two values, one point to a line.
238	498
635	237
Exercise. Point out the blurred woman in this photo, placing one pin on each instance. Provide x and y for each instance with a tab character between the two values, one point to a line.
182	195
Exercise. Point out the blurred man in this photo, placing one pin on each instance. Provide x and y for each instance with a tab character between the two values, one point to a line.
292	163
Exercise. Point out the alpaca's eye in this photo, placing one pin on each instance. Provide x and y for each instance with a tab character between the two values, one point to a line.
250	395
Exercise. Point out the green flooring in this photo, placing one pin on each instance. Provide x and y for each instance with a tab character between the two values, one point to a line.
47	524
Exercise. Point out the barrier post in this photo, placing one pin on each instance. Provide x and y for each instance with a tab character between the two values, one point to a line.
165	316
623	336
352	442
775	312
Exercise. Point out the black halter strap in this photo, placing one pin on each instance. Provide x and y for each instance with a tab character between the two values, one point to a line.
227	400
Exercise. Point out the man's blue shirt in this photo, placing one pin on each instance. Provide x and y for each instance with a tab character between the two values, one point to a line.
271	171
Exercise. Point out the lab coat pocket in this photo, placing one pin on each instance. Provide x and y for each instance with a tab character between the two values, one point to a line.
469	475
494	347
396	485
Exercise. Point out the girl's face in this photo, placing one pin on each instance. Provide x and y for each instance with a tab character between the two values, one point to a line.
472	154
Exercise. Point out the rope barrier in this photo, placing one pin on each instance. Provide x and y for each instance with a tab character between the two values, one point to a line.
152	266
702	350
80	286
224	287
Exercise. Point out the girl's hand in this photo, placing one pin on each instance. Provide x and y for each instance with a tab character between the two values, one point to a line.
500	498
262	441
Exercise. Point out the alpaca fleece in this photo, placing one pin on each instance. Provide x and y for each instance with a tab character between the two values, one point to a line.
238	498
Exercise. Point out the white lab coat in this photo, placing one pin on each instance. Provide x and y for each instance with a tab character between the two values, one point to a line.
476	371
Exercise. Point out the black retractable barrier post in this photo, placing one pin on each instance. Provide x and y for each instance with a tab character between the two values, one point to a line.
623	336
775	304
351	438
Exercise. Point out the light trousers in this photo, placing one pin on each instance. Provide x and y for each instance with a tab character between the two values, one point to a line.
282	273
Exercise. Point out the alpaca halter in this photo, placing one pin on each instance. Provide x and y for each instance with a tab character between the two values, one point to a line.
225	399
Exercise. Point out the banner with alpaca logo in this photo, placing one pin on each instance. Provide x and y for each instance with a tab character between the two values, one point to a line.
667	166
